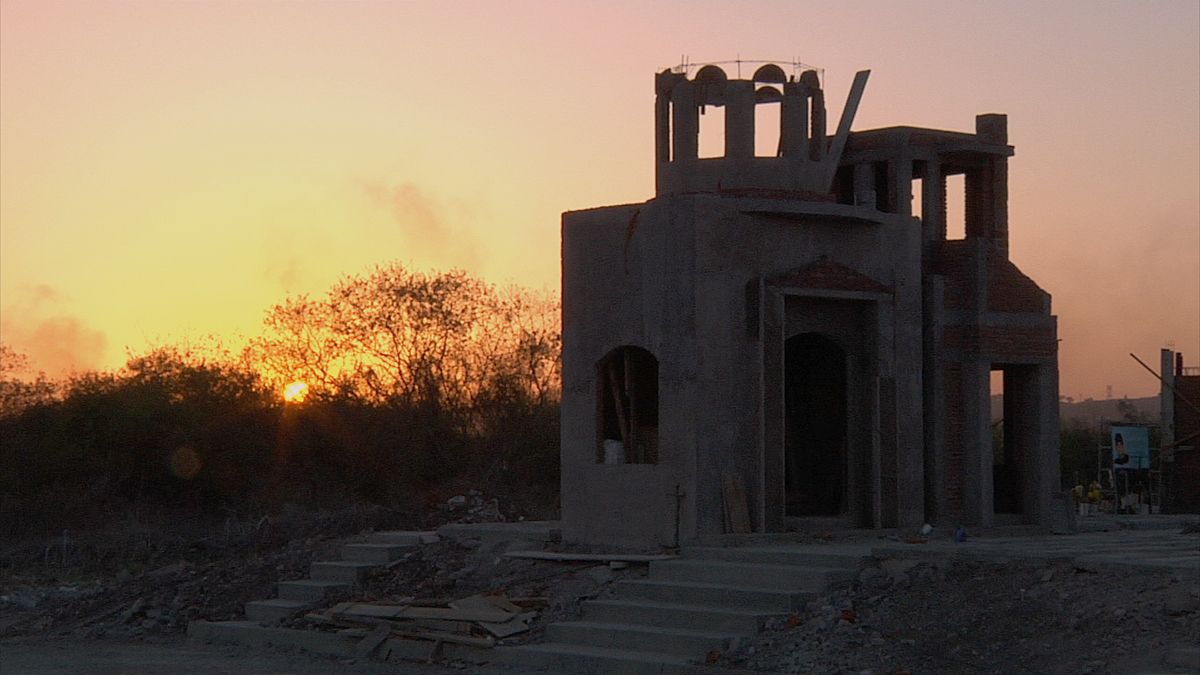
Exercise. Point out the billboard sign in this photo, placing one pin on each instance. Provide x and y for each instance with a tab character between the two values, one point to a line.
1131	447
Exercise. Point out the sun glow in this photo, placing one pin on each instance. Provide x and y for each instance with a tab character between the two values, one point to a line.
295	392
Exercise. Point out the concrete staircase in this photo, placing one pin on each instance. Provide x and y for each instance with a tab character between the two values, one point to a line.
706	600
329	581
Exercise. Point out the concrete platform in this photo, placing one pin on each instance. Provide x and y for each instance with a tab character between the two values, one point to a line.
403	537
252	634
1137	549
529	530
271	611
308	590
375	553
341	571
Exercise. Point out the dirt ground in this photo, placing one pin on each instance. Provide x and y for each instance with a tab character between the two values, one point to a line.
168	656
118	601
955	616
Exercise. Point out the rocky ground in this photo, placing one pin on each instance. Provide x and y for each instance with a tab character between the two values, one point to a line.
956	616
900	616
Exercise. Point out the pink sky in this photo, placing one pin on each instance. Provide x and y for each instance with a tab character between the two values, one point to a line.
169	170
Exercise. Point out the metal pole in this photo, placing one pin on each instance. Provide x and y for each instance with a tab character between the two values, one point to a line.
1168	386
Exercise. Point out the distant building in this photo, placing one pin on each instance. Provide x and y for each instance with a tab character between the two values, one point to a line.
1180	434
777	337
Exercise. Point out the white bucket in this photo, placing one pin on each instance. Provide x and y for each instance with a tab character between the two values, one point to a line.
614	452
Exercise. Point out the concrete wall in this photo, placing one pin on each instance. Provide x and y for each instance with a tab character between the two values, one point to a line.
684	277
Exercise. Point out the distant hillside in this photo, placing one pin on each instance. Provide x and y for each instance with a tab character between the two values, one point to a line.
1091	412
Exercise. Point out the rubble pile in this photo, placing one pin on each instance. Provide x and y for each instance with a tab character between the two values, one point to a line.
448	571
134	579
953	616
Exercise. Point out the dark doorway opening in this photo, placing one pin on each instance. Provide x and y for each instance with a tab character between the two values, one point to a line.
1010	430
814	426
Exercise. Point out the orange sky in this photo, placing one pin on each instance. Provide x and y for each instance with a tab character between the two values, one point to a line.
171	169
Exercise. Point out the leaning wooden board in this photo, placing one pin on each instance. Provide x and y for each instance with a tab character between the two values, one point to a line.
736	507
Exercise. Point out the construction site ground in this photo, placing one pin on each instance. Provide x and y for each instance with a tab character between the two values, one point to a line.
1120	600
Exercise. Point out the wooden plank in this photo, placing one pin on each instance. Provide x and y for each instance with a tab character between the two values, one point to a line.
531	602
588	557
734	493
437	636
371	610
462	627
501	602
451	614
477	603
615	388
503	630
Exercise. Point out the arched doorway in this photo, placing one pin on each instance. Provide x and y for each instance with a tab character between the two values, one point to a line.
815	415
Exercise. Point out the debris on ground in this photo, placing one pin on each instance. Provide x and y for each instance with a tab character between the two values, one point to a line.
957	615
476	621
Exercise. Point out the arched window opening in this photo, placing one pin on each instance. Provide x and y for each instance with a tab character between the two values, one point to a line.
710	97
768	103
627	407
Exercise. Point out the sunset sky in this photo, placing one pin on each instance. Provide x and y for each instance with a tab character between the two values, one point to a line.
170	170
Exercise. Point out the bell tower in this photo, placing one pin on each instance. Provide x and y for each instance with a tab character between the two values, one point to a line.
806	158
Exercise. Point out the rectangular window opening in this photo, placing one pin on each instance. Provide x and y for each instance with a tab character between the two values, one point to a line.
766	130
956	206
918	199
712	132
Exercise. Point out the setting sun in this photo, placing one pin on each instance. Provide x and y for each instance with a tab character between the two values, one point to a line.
295	392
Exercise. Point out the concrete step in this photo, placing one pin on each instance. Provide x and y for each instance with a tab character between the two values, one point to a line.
693	617
272	611
341	571
374	553
678	641
529	530
694	593
309	590
779	555
557	657
403	537
251	634
778	577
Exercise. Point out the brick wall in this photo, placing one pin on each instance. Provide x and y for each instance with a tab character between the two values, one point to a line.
955	430
1002	342
1185	476
1009	290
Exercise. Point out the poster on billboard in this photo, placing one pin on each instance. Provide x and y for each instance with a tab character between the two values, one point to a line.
1131	447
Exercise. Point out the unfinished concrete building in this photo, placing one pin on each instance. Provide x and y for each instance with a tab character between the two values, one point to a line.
775	337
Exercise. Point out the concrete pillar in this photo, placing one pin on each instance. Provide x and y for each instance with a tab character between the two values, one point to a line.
816	139
978	203
793	122
990	189
933	202
900	185
662	128
1166	397
934	395
739	120
977	494
1046	466
864	185
999	206
773	324
686	121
